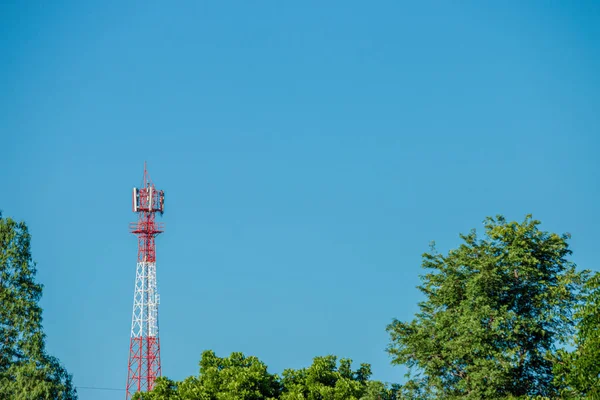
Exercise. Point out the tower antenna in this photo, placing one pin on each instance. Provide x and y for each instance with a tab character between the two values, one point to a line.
144	346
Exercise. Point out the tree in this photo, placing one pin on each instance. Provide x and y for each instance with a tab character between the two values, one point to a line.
325	380
26	370
236	377
578	372
246	378
493	312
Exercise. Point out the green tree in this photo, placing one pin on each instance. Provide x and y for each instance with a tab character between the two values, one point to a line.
246	378
324	380
493	312
27	372
164	389
236	377
377	390
578	372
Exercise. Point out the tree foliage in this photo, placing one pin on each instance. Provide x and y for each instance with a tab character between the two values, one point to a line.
325	380
494	310
238	377
26	370
578	372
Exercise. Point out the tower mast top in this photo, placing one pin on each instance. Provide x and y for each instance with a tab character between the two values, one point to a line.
147	199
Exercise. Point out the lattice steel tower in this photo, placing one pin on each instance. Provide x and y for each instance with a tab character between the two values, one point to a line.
144	348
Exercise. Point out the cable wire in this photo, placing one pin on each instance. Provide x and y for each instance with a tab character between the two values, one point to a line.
97	388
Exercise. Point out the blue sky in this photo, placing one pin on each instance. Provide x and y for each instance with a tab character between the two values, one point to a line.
309	152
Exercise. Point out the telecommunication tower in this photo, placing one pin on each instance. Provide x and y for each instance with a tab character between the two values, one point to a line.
144	347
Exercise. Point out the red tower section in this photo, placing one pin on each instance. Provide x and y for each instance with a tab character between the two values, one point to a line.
144	348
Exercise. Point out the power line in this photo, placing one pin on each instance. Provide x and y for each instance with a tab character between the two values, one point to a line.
97	388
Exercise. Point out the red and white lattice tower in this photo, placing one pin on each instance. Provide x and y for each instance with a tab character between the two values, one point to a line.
144	348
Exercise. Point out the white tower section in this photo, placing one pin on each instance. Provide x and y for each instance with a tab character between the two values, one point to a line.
145	302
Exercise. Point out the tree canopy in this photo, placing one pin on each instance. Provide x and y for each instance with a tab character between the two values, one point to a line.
238	377
493	313
26	370
578	371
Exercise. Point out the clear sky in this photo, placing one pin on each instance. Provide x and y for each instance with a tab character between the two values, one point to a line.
309	152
